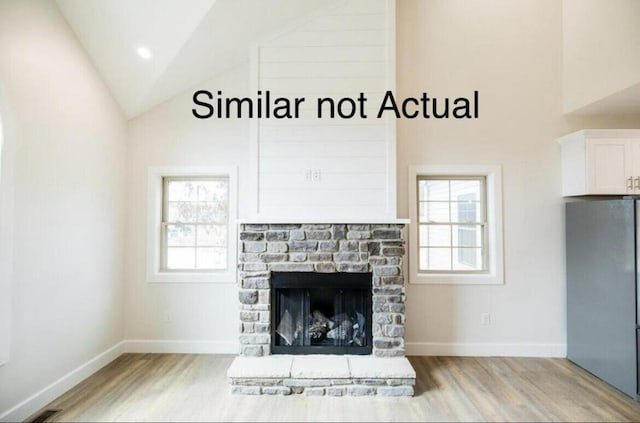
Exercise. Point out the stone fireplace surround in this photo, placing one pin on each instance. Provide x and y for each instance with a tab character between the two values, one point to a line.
318	247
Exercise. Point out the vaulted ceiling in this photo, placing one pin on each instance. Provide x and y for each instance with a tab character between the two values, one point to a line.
194	40
190	41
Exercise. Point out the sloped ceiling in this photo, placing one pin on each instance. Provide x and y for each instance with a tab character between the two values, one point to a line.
624	102
191	41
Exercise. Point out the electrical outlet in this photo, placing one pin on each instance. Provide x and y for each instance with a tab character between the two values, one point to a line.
485	319
315	175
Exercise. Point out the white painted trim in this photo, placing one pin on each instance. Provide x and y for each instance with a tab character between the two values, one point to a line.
41	398
495	241
485	349
179	346
154	208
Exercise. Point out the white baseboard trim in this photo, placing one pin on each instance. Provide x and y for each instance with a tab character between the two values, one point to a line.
486	349
180	346
26	408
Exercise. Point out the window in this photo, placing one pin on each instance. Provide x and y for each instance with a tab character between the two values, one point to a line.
451	223
471	237
456	224
194	223
191	229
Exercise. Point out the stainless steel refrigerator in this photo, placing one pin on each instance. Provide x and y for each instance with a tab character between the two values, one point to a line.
603	257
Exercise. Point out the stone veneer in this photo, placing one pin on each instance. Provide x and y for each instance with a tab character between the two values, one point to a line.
352	248
336	375
355	248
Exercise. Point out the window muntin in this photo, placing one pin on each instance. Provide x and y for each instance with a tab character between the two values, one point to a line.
452	224
195	220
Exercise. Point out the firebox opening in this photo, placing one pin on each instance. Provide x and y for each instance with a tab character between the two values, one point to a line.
321	313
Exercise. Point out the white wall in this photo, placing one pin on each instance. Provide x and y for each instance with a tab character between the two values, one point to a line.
202	316
65	139
6	237
501	49
601	40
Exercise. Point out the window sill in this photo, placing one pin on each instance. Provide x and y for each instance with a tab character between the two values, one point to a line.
455	279
222	277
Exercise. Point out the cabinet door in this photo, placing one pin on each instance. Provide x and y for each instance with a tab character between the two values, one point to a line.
608	166
634	164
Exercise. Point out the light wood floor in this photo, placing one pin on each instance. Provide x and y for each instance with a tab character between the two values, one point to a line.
190	387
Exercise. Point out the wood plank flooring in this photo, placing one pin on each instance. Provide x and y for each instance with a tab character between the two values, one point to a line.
192	387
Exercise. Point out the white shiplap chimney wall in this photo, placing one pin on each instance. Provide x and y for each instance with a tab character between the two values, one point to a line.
327	168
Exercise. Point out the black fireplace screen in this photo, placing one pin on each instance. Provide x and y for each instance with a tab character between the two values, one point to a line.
321	313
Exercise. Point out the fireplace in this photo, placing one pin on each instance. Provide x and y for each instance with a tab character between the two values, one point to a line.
321	313
322	310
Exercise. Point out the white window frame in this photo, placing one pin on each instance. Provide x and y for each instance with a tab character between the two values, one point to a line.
155	201
494	274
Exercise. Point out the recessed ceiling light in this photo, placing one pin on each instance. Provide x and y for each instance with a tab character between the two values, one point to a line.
144	52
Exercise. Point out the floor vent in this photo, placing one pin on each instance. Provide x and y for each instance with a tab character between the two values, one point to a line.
44	416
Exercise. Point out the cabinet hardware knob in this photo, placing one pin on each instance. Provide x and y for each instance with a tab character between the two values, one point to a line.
637	182
630	183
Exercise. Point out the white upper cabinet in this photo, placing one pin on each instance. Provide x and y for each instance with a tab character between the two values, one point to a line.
601	162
